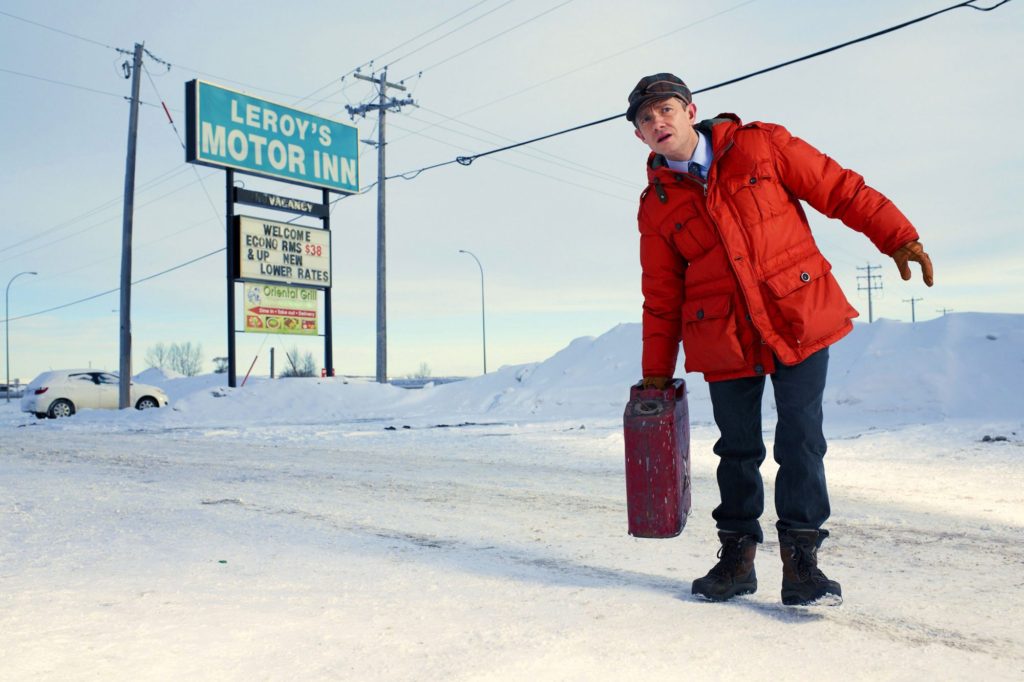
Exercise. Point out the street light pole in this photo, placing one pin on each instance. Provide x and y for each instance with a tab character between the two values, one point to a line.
483	316
7	328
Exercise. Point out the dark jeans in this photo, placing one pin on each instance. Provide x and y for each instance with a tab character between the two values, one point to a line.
801	497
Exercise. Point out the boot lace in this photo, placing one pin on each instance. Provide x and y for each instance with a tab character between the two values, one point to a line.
730	556
806	562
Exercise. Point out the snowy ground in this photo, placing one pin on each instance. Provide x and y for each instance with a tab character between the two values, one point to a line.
283	531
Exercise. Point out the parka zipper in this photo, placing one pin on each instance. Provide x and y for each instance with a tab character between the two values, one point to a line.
746	239
743	233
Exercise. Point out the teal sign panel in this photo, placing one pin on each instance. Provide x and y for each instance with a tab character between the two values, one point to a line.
229	129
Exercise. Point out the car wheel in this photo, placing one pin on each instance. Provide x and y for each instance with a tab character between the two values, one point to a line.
60	408
146	403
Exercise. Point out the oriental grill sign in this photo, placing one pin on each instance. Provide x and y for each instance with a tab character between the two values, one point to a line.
270	251
275	309
228	129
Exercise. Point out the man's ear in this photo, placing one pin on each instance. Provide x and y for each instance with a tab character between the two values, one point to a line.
639	136
691	111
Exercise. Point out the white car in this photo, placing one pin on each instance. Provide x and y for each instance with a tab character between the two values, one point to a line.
61	393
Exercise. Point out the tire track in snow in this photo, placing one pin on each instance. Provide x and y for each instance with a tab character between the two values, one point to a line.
467	556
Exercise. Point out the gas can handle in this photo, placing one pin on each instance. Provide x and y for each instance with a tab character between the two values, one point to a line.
648	407
674	391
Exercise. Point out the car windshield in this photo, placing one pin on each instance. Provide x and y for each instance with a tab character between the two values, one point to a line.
108	378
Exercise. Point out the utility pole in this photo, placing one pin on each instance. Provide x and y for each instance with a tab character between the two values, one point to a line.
870	286
384	103
125	369
912	301
943	311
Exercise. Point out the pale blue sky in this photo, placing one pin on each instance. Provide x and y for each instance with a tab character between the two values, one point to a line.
926	114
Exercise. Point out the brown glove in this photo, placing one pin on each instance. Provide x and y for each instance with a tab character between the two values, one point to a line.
660	383
913	251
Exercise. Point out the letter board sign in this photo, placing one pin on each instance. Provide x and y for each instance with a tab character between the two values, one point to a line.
269	251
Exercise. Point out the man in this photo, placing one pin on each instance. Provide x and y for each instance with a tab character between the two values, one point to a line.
731	269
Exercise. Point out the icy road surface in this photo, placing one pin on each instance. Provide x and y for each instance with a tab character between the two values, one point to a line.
494	552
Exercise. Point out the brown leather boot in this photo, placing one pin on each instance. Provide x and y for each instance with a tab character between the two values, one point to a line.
803	582
734	573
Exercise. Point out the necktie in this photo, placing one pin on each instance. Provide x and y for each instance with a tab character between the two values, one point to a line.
696	169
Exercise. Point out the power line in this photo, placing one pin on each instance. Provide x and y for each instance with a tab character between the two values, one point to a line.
100	261
442	37
57	30
876	34
98	209
170	120
94	226
297	99
71	85
121	50
157	60
251	87
371	62
109	203
487	40
420	35
158	180
644	44
603	193
473	47
156	90
110	291
467	160
536	154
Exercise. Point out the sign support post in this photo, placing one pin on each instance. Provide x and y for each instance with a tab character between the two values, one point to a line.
328	322
232	258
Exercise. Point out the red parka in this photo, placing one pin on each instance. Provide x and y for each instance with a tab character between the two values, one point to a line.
729	264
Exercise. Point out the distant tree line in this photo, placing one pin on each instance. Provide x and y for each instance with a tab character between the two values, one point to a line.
184	358
299	365
187	359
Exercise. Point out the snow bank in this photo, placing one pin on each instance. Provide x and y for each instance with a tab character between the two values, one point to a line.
156	375
964	365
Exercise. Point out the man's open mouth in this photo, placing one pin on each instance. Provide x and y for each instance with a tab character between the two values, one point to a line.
664	137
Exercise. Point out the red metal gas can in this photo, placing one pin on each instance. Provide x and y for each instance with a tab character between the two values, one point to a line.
656	425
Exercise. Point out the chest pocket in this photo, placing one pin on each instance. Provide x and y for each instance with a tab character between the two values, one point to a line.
684	239
689	231
757	194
